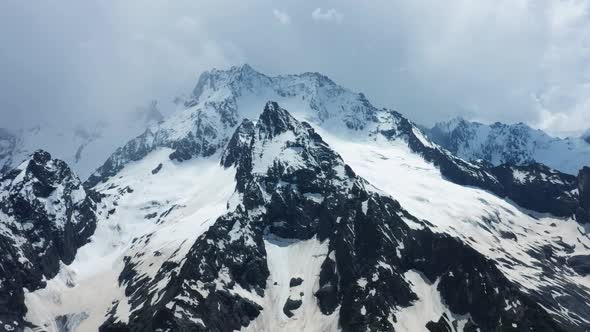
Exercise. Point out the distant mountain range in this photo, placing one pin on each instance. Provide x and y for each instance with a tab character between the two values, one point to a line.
515	144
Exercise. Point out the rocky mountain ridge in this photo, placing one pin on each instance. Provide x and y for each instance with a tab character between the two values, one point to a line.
514	144
320	212
45	216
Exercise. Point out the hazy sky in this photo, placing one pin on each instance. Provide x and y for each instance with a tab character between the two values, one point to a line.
488	60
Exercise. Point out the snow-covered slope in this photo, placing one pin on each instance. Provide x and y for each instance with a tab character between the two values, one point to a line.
45	216
353	221
147	220
83	146
531	249
514	144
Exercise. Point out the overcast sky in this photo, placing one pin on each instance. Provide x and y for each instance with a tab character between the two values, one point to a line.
488	60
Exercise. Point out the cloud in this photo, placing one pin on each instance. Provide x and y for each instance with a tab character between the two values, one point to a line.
281	16
121	55
330	15
563	101
504	60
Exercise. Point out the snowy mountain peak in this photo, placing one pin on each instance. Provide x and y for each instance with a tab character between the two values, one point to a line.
42	175
45	216
234	79
226	97
223	98
245	78
275	120
316	94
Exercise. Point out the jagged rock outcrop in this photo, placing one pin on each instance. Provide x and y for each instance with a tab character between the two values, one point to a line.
45	216
539	188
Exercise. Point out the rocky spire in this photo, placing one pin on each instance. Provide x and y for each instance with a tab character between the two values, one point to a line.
45	216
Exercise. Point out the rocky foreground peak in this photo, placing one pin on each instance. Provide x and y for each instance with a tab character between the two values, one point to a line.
45	216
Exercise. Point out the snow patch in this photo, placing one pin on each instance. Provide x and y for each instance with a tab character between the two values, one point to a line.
428	307
289	259
186	199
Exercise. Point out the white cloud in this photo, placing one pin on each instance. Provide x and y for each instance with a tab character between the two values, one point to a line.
330	15
281	16
500	60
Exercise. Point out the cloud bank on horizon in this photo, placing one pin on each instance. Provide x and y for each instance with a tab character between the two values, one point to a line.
504	60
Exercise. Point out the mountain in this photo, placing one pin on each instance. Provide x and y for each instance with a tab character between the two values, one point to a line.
45	216
83	146
515	144
222	98
317	211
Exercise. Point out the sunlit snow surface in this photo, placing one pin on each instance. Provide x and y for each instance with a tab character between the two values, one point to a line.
290	259
476	216
197	191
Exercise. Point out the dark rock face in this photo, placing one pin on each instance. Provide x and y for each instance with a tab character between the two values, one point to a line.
446	324
157	169
583	210
291	305
584	188
295	282
539	188
370	248
580	264
45	216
